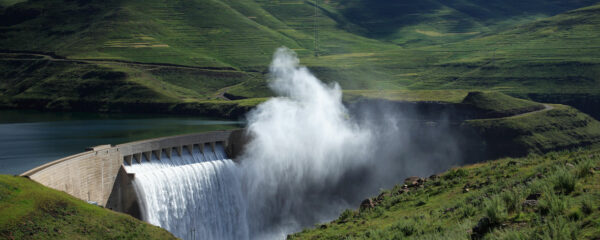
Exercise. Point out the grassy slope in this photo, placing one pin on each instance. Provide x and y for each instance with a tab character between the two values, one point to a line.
510	126
554	55
29	210
5	3
495	104
560	128
442	209
413	23
241	35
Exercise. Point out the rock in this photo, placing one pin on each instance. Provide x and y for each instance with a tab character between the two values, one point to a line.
382	196
465	190
483	226
530	203
366	204
447	210
379	199
539	175
411	180
534	196
569	165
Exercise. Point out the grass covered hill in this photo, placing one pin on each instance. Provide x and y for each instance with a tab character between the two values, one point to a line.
551	196
415	22
542	182
213	51
29	210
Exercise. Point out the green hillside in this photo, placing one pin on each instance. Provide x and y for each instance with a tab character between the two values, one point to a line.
29	210
551	191
557	127
543	56
173	52
551	196
429	22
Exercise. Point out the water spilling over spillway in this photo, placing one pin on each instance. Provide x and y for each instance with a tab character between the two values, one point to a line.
193	194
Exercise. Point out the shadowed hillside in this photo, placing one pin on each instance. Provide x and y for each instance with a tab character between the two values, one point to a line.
411	22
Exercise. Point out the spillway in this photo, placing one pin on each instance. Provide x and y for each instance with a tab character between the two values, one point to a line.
194	194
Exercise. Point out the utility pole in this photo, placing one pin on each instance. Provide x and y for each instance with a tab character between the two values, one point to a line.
316	28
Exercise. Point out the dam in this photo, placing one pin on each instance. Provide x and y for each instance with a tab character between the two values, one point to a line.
115	177
193	185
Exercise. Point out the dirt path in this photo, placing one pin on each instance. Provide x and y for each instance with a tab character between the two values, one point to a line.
547	107
16	55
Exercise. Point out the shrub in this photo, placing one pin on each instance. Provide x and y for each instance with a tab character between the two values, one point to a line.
564	181
455	173
537	186
378	212
574	214
587	205
558	228
456	232
551	203
407	227
512	200
583	168
494	210
509	234
468	211
346	215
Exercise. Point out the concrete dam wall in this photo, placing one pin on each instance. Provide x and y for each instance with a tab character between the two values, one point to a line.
98	175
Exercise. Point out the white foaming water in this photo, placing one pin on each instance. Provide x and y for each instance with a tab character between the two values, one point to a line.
194	196
300	141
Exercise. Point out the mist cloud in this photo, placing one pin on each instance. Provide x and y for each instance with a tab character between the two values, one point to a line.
299	140
310	156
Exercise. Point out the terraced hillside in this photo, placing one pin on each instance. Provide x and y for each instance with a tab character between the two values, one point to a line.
208	50
426	22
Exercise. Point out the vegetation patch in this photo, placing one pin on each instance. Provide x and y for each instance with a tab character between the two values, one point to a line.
495	104
29	210
561	127
534	197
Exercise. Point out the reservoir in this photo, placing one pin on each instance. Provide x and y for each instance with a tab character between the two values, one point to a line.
32	138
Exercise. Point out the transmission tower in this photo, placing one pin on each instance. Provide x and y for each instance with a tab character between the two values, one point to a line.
316	21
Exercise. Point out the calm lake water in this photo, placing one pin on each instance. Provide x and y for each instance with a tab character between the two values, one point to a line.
31	138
